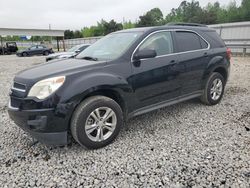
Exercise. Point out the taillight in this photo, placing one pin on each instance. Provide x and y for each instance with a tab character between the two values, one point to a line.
229	53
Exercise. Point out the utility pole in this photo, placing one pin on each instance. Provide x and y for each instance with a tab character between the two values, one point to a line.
50	36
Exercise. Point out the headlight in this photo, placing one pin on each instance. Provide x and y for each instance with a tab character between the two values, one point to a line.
45	88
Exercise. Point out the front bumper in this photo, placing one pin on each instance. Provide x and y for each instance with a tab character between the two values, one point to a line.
41	124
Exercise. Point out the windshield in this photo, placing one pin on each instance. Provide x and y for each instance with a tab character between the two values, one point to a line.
73	49
110	47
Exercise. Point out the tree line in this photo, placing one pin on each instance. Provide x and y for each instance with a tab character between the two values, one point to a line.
188	11
212	13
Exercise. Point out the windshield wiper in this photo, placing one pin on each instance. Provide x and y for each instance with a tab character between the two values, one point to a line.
90	58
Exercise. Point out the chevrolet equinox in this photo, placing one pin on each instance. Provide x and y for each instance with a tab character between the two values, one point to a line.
122	75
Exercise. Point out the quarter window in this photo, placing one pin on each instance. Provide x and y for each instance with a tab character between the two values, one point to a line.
204	44
160	42
188	41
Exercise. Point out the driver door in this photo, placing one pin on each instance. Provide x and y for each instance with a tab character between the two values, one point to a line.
157	79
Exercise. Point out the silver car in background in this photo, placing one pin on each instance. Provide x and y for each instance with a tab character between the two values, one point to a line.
72	52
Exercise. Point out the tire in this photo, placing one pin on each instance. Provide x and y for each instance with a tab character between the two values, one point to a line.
86	114
24	54
213	95
46	53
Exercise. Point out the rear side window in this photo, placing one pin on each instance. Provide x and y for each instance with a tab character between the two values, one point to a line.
160	42
214	39
188	41
204	44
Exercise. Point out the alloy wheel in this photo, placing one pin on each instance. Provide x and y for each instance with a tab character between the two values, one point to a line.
216	89
100	124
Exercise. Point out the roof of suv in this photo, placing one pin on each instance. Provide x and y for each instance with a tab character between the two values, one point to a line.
186	27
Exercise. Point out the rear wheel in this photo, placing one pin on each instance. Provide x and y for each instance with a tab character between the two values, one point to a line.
96	122
214	89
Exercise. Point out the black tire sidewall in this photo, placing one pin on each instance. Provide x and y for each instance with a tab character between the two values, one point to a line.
81	118
209	85
46	53
25	54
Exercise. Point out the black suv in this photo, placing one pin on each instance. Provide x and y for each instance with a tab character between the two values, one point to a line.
124	74
10	47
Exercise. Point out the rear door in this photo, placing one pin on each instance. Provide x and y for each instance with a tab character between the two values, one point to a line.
157	79
193	52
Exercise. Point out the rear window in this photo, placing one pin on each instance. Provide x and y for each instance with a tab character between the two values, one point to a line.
188	41
214	39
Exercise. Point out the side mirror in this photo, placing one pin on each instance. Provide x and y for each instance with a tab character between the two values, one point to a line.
77	51
145	54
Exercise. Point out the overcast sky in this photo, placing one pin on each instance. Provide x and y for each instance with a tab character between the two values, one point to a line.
75	14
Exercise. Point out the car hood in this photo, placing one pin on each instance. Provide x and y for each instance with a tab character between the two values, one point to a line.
56	68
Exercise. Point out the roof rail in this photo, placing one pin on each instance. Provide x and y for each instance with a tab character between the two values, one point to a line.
186	24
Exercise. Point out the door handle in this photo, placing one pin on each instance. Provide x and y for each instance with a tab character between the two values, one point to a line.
173	62
205	54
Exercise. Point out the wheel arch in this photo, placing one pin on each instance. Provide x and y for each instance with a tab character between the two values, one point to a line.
222	71
216	64
106	91
111	93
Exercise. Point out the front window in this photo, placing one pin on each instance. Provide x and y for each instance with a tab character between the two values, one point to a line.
110	47
40	47
33	47
160	42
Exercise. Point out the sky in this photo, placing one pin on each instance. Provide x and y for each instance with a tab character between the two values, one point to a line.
75	14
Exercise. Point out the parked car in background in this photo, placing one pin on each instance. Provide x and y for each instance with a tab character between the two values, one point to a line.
9	48
122	75
72	52
35	50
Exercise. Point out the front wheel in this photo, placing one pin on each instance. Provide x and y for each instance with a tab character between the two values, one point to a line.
214	89
24	54
96	122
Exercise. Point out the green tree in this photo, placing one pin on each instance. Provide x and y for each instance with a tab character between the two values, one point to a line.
128	25
78	34
153	17
245	10
87	32
186	12
68	34
111	26
210	13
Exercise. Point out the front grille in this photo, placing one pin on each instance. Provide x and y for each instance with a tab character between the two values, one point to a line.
19	87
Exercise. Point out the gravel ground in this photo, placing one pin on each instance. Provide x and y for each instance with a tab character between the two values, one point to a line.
185	145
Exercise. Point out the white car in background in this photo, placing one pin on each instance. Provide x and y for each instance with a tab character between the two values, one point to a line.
72	52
